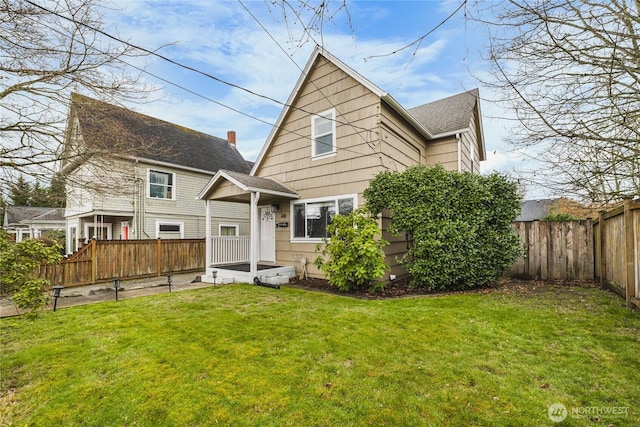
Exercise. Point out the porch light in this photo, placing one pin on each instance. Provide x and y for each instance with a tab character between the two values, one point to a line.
56	294
275	207
116	286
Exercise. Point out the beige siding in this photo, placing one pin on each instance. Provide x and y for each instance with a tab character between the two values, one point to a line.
370	137
402	145
443	151
347	172
469	150
357	157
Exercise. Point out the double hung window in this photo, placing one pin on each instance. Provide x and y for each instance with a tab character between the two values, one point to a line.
161	185
323	131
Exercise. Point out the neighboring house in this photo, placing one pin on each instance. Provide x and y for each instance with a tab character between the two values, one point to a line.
24	222
131	176
337	131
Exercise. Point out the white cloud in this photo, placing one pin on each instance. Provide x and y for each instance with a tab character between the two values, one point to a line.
222	39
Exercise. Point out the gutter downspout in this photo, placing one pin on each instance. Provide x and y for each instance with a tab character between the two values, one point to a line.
459	140
255	236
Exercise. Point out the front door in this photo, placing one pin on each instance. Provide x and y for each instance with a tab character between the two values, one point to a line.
267	235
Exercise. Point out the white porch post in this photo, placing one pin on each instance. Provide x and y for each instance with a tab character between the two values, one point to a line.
207	233
255	234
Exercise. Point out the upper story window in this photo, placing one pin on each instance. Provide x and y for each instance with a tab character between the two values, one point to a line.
312	217
323	134
161	184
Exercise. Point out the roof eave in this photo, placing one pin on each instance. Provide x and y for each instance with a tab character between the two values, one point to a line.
451	133
207	188
167	164
395	105
273	192
223	175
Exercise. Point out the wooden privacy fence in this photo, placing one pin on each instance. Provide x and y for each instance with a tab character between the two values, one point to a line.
554	250
617	250
104	260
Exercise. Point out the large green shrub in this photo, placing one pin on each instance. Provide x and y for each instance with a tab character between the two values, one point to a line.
458	224
353	257
18	264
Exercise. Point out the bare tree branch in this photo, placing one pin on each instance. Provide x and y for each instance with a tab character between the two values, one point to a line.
45	54
570	72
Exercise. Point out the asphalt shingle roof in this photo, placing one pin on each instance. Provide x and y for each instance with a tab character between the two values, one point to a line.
447	115
535	209
259	182
132	134
16	214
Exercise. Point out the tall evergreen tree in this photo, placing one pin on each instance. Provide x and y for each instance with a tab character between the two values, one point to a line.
20	192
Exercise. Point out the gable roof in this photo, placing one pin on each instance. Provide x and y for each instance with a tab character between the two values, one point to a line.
27	214
248	183
423	124
447	115
138	136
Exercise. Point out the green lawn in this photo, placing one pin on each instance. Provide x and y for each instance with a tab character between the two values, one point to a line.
247	355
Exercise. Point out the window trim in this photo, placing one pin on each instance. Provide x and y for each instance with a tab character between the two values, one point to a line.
160	222
173	184
236	226
314	240
332	113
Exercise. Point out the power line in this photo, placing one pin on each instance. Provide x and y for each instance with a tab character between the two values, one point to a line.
228	107
174	62
419	40
210	76
357	129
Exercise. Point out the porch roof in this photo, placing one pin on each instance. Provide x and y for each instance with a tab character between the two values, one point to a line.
244	185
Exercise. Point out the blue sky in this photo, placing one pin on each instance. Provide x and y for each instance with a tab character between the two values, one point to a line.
225	39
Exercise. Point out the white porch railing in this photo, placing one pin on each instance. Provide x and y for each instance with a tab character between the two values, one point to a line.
230	249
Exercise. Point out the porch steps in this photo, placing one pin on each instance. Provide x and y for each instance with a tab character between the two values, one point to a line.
273	276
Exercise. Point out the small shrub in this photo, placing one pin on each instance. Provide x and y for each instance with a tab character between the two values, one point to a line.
353	257
18	266
560	217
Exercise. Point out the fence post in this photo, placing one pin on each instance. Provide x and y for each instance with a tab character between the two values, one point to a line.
159	255
602	260
94	262
629	252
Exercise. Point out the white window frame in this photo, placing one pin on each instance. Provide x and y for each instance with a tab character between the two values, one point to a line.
314	240
327	115
96	225
236	226
173	184
160	222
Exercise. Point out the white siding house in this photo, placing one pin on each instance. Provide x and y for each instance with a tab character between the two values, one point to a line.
131	176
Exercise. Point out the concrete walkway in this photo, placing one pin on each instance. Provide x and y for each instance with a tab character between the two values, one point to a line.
80	295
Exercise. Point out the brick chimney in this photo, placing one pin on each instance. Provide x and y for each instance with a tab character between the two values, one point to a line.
231	137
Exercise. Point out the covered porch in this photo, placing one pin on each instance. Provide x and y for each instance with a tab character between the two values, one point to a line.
240	259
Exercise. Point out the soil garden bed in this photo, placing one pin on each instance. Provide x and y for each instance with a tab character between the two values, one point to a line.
402	289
